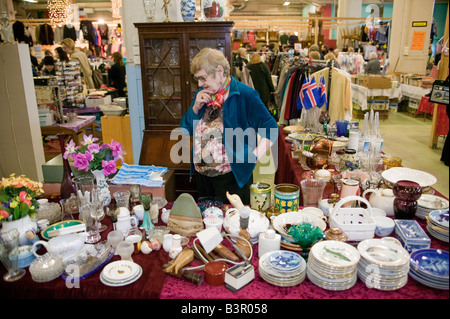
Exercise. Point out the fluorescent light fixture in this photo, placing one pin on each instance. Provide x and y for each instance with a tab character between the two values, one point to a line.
32	1
101	21
286	3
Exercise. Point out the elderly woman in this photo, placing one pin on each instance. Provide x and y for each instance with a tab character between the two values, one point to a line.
68	45
373	66
262	80
224	119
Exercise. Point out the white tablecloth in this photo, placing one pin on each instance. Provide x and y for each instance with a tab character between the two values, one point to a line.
415	92
361	93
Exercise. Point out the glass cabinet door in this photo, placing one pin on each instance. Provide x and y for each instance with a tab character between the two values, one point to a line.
163	78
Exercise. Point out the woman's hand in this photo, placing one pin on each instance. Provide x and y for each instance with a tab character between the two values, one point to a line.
201	99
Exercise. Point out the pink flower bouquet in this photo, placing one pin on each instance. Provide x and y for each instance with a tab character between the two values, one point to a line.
91	156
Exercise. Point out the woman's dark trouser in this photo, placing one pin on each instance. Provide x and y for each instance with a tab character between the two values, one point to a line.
219	185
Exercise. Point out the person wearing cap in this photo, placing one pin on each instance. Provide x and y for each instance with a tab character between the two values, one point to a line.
49	66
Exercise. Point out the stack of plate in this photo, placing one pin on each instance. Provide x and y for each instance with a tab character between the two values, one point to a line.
282	268
120	273
384	264
427	203
332	265
437	224
430	267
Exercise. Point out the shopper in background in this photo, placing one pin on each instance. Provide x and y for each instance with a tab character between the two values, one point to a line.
117	74
239	62
68	46
49	66
373	66
315	55
262	80
61	56
324	50
222	106
330	56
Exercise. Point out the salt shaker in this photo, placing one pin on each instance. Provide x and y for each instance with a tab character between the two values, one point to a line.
268	241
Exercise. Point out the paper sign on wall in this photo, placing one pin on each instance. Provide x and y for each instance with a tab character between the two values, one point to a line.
418	40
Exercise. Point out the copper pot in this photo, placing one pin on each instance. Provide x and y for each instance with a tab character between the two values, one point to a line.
318	161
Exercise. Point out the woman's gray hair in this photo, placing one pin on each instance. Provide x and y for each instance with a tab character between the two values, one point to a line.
209	59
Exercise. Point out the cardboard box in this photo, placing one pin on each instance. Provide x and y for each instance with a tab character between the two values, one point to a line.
376	82
45	117
91	101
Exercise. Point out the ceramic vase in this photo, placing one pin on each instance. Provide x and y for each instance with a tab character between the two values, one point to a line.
188	10
22	225
103	187
350	161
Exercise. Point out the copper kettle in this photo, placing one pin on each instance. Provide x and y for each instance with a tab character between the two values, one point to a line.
320	154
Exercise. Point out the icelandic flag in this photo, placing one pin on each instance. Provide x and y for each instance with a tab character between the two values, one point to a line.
322	92
309	94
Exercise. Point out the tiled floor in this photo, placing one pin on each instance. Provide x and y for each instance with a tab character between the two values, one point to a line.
408	138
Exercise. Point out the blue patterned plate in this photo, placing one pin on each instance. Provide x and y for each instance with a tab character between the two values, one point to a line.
440	217
284	260
431	262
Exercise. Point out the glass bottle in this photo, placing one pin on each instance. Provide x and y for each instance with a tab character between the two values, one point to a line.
67	187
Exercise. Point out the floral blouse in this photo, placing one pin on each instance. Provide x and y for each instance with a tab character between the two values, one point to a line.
210	158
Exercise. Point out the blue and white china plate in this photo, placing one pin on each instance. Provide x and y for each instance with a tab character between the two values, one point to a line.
431	263
440	217
284	260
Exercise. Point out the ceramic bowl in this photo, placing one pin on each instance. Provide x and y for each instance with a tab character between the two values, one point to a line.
384	226
282	222
378	212
396	174
26	256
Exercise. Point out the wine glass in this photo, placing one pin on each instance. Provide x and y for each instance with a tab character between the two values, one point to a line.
99	212
87	211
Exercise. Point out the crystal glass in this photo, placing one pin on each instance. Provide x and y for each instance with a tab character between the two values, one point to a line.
149	7
9	255
125	249
87	211
84	185
122	198
135	194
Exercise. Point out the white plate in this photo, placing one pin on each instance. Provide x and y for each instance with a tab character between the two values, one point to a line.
122	283
296	218
383	253
395	174
257	223
432	202
119	271
440	218
335	253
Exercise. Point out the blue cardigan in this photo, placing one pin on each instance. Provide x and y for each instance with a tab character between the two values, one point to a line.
244	115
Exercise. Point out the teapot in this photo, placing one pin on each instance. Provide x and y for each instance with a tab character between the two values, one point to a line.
125	221
64	245
382	198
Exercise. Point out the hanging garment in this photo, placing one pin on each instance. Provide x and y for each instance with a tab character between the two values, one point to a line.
340	97
19	31
46	35
87	29
70	32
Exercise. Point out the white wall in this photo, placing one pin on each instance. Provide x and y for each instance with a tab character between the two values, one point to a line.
21	149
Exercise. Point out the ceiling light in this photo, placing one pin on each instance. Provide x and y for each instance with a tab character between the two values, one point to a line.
286	3
32	1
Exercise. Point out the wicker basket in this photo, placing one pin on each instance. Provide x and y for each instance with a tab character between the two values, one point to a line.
357	223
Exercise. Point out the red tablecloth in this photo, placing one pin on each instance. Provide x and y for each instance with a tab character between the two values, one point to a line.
442	123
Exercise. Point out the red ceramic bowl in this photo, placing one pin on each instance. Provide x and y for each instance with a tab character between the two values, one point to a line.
215	273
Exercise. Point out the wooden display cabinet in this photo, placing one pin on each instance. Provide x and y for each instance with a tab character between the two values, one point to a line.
166	50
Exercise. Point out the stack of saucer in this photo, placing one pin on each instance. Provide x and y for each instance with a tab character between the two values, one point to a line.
282	268
384	265
120	273
332	265
437	224
430	267
427	203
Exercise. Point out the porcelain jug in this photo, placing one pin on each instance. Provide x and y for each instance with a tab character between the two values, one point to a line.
125	221
381	198
64	245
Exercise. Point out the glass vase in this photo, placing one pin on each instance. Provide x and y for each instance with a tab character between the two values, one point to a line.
406	195
149	8
67	187
9	255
